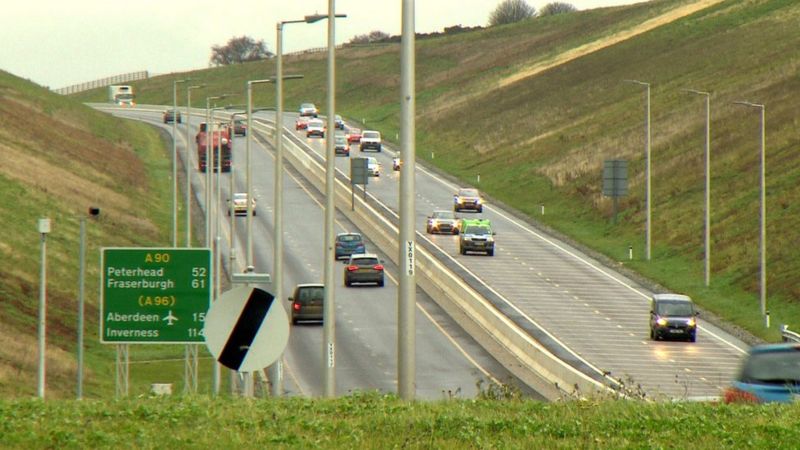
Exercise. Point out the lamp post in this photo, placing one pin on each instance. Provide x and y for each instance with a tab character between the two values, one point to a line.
188	164
406	330
209	233
647	164
275	371
93	212
328	313
190	353
249	170
175	160
707	231
763	214
44	228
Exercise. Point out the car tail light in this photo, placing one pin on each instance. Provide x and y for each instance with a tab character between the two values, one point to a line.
296	306
378	267
735	395
352	268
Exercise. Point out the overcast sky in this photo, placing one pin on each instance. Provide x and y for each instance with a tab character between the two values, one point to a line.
57	43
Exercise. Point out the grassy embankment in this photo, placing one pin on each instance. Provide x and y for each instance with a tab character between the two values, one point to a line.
542	139
58	158
378	422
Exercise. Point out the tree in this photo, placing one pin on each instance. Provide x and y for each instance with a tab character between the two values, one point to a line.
554	8
373	36
239	50
511	11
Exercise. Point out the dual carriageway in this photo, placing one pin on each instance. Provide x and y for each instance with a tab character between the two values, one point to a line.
585	313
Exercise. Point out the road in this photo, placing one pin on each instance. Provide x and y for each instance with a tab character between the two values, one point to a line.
449	362
597	315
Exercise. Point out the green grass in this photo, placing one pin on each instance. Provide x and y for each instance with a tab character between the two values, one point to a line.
374	421
61	158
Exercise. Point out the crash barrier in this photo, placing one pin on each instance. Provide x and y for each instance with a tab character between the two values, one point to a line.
788	335
514	346
524	348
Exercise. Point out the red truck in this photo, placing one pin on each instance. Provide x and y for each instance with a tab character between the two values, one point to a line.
224	153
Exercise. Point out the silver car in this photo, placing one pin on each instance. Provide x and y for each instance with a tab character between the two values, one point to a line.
363	268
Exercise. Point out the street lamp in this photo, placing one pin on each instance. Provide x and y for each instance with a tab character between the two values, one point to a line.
707	233
763	221
188	164
209	234
44	228
93	212
406	330
328	256
647	166
175	160
249	170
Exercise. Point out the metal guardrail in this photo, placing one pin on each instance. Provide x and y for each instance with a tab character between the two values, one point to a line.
789	336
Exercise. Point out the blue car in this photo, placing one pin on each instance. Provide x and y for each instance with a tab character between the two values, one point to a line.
348	244
770	373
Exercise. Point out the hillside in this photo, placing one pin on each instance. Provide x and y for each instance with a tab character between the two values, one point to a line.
57	158
534	109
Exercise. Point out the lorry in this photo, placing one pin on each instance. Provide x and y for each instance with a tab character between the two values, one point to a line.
221	145
121	94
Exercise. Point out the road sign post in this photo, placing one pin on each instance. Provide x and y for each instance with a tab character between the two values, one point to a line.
154	295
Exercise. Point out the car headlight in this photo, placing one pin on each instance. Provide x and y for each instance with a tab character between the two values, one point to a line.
490	239
467	238
478	201
691	322
662	321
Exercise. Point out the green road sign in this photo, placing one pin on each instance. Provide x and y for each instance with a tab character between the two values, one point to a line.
154	295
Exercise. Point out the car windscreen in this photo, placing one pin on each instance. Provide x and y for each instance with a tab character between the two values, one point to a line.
371	135
468	193
444	215
478	230
365	261
772	367
309	295
676	309
350	238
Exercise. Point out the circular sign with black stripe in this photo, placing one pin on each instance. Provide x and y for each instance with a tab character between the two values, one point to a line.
246	330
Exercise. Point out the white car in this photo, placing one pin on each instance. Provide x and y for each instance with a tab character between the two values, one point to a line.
308	110
315	127
370	140
373	166
240	204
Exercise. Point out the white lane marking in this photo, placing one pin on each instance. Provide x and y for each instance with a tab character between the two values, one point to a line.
577	257
432	320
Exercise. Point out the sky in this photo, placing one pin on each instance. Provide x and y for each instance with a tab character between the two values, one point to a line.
57	43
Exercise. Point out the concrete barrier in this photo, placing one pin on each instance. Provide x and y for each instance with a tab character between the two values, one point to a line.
523	355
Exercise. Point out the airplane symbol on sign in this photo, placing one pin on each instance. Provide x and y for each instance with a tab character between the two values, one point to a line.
170	318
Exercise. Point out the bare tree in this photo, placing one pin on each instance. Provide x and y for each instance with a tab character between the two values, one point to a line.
554	8
511	11
373	36
239	50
